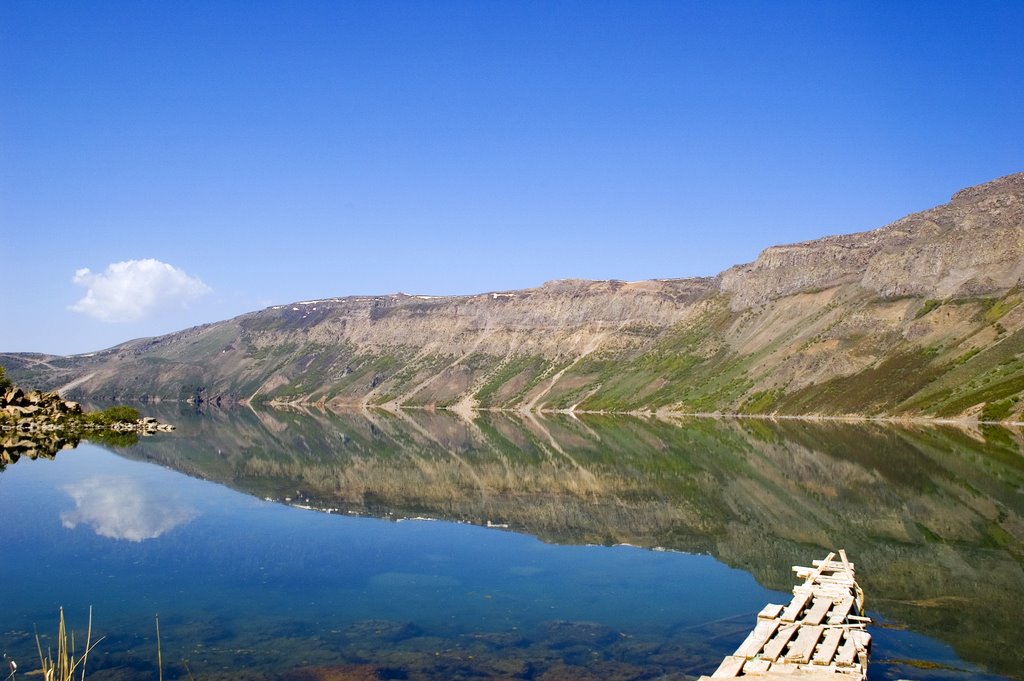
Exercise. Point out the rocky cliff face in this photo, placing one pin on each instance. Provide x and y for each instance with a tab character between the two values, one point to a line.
919	317
969	247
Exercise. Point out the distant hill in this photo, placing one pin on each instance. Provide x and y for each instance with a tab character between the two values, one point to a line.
921	317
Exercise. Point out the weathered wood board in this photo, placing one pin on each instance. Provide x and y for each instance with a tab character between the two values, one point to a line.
819	635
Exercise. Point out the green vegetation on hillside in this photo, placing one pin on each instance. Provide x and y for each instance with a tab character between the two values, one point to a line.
831	352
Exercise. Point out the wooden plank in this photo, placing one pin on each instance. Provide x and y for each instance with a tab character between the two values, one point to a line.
803	647
796	606
776	645
836	577
841	612
847	653
839	590
819	568
827	649
830	564
828	559
836	595
756	666
840	580
861	638
756	639
731	666
818	611
796	639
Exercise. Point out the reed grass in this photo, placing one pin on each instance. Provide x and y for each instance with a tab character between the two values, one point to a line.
159	652
67	662
67	665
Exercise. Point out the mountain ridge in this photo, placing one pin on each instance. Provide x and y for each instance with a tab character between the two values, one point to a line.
921	317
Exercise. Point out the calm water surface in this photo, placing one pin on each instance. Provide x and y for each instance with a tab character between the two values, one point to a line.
248	584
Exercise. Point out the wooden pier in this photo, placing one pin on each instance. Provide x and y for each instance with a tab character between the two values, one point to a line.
819	636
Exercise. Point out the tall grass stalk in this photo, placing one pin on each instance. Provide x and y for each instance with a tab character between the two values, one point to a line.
63	666
159	653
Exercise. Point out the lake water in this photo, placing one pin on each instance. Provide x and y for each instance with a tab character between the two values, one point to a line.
304	545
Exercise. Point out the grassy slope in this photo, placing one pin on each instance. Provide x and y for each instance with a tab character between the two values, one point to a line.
808	354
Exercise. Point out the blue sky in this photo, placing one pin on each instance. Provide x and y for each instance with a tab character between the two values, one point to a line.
169	164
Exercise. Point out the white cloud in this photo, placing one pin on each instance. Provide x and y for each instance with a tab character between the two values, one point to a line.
134	289
124	508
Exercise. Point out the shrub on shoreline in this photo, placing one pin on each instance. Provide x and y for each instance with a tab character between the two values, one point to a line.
112	415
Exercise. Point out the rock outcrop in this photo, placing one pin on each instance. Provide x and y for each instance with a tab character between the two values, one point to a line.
920	318
35	408
39	424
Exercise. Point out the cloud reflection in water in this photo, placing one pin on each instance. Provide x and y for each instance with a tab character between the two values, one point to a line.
124	508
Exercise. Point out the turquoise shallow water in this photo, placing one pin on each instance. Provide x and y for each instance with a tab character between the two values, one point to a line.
250	588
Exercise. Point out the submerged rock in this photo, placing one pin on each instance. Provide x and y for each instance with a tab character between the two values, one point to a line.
342	672
384	629
565	634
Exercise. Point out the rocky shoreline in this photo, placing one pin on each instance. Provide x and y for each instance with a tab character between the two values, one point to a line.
39	424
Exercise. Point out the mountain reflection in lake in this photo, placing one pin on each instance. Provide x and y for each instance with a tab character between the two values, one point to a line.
933	517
